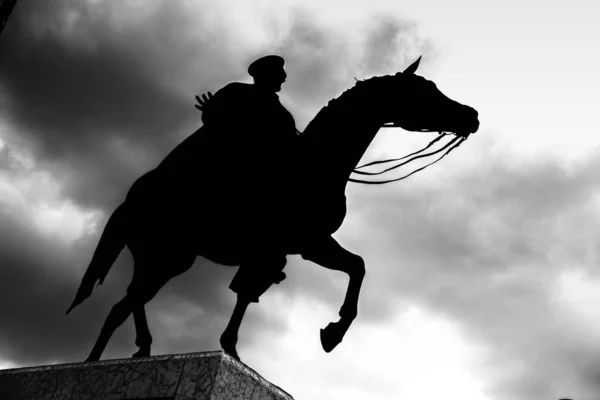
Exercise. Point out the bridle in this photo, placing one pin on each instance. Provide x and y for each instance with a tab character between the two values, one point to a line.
453	144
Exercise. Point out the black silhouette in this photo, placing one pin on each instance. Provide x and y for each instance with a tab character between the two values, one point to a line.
202	101
6	8
246	190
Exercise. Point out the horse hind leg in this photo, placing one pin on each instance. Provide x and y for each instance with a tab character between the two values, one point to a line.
143	337
118	314
134	303
148	279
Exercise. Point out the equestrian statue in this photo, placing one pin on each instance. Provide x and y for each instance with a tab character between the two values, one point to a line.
247	189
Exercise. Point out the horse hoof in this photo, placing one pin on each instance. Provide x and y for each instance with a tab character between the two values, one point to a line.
232	353
326	342
141	353
333	335
229	348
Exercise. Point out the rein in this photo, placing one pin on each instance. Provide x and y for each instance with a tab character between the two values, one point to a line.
454	143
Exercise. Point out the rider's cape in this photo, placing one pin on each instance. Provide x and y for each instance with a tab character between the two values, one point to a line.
240	164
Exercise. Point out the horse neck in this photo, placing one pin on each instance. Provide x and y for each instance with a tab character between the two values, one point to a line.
336	139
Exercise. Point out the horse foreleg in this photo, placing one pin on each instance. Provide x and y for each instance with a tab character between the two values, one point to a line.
329	254
143	337
229	337
254	277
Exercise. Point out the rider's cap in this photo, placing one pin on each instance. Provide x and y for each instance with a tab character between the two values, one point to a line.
266	64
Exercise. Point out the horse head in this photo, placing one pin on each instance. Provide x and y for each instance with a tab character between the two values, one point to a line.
416	104
353	119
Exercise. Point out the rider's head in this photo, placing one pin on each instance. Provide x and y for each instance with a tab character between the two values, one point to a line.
268	72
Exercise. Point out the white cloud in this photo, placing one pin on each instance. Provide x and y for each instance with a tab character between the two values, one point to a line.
413	355
34	196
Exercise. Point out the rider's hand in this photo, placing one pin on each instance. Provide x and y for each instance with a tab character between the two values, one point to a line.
202	102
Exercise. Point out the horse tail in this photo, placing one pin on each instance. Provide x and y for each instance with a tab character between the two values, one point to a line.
112	241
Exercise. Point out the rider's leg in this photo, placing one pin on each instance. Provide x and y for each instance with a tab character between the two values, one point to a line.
250	282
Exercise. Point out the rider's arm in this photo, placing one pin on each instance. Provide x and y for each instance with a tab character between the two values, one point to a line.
220	105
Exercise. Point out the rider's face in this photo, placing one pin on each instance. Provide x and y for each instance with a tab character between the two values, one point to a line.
272	81
279	78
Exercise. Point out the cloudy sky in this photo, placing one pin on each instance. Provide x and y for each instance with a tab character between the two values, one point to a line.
482	280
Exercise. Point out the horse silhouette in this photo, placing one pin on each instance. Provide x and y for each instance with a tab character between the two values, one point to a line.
159	220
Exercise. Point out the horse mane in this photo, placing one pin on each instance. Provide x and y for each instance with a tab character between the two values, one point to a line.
347	121
345	102
335	119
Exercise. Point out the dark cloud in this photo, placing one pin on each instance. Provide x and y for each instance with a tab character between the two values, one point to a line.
34	295
80	83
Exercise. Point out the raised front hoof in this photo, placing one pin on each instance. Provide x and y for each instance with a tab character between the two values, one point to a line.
141	353
333	335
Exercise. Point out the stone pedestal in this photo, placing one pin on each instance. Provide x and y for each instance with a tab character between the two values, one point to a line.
196	376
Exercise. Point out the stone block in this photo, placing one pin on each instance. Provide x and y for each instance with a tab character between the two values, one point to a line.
195	376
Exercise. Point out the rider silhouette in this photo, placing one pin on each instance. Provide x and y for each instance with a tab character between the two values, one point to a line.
261	138
249	144
260	133
255	107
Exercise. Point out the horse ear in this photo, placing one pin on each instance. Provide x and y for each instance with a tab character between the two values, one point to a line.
413	67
